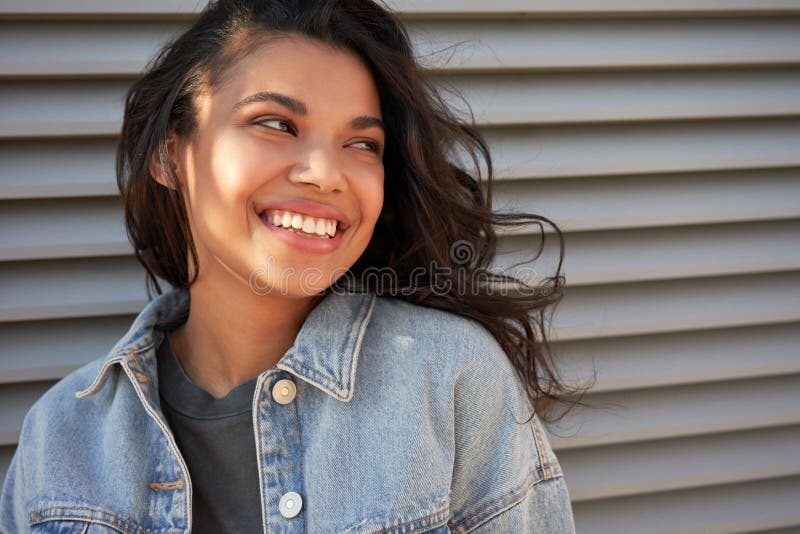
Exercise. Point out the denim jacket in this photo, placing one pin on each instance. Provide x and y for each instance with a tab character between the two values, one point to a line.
406	419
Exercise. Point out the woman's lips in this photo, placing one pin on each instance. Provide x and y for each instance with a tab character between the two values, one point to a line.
307	207
313	245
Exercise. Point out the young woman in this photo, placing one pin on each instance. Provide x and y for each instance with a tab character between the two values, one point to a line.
332	354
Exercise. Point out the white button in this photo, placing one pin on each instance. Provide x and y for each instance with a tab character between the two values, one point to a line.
290	504
284	391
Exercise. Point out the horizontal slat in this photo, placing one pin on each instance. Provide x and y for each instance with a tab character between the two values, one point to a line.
585	44
32	229
671	412
590	204
505	99
558	151
71	167
71	288
61	109
42	169
677	305
49	350
720	509
148	8
689	358
81	48
123	48
16	400
94	107
460	8
607	256
670	464
582	7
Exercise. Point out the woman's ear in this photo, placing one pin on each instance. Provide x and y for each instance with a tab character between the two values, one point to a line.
157	170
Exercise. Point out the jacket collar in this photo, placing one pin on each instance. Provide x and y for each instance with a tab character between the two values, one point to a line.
324	354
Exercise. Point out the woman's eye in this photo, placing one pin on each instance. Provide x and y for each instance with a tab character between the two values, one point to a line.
288	125
371	145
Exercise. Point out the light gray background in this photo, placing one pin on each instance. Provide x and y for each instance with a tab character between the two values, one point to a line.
661	136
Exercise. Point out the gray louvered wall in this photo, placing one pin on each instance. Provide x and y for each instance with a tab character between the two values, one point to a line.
663	137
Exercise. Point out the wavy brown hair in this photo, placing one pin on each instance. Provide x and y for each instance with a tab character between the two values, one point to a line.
435	212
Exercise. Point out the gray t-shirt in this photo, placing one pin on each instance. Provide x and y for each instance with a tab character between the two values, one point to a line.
215	437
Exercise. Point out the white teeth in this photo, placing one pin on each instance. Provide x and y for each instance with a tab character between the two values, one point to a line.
297	222
304	223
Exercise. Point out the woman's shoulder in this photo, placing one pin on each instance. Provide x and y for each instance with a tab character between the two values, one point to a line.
462	339
439	349
59	404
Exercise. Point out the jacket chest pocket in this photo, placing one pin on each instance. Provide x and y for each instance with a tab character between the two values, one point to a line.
69	526
77	518
58	526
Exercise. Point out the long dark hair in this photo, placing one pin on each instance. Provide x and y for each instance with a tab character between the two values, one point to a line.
435	212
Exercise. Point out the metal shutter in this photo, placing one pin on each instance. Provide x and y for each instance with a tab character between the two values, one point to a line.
661	136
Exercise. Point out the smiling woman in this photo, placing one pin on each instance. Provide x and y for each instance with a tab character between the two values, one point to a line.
273	142
273	159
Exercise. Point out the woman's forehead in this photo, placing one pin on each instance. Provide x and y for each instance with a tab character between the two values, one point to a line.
305	70
302	61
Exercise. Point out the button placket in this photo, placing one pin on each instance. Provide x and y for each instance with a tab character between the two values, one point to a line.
280	455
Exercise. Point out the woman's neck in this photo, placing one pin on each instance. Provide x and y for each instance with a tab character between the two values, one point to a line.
234	334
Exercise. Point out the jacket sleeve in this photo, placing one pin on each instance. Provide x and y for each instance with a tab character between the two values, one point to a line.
506	477
13	517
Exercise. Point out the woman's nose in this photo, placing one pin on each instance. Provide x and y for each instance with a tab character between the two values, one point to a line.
319	168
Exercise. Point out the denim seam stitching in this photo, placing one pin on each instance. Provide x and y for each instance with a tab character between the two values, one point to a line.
516	495
88	521
417	521
113	520
115	526
443	511
165	429
541	459
364	317
323	379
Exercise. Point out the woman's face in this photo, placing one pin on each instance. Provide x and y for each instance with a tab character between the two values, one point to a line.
292	137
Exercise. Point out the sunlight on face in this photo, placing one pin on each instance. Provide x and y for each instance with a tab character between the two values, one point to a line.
294	122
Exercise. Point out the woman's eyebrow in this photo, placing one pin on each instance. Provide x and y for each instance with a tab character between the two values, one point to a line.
295	106
365	121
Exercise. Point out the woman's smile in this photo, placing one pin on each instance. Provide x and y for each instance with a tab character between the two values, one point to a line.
301	231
